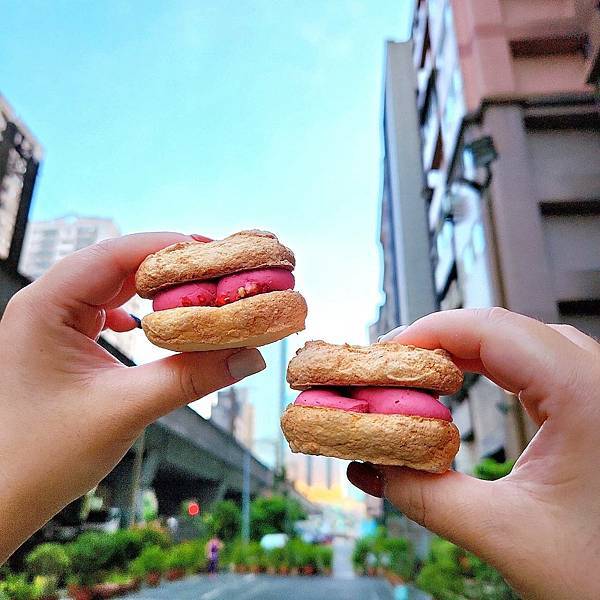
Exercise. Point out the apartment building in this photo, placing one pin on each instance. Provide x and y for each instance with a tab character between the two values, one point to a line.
502	183
47	242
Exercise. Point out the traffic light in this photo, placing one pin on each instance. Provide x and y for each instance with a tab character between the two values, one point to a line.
193	508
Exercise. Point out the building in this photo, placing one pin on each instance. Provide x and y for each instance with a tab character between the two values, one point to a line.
498	99
315	471
20	156
235	414
47	242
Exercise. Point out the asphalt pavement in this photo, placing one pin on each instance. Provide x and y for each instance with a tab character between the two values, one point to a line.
230	586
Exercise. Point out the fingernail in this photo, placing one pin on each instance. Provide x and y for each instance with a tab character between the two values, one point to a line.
366	478
200	238
390	335
245	362
138	321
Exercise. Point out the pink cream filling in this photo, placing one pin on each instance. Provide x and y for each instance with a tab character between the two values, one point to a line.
198	293
225	290
331	399
250	283
381	400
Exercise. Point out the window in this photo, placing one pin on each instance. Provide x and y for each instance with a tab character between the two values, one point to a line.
454	109
444	244
430	129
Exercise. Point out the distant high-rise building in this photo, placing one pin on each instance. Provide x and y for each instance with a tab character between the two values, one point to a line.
316	472
491	187
235	413
46	242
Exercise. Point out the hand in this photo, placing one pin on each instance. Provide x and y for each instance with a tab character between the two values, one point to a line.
540	525
69	410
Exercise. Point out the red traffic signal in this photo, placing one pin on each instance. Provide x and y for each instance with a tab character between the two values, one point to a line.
193	509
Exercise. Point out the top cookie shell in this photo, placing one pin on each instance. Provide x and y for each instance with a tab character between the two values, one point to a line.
384	364
197	261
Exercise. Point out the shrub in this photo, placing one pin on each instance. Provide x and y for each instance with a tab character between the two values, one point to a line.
153	535
183	556
239	553
324	558
362	547
91	553
296	553
277	557
48	560
395	554
127	545
16	587
442	584
255	557
44	586
401	556
441	575
117	577
152	560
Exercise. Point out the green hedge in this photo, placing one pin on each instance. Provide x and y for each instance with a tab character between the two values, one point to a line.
451	573
384	552
296	554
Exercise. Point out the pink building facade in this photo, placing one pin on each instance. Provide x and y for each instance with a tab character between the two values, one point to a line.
509	119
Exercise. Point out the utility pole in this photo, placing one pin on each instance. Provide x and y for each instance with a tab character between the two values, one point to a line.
246	497
136	473
282	400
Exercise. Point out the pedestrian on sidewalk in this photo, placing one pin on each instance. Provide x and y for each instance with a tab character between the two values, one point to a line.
212	549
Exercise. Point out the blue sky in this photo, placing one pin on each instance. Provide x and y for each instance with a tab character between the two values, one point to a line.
213	116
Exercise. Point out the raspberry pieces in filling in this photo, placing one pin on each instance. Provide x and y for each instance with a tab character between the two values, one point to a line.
198	293
250	283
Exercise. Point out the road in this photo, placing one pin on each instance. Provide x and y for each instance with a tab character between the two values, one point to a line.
263	587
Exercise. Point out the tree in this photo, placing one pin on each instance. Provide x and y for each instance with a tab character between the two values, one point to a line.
276	514
225	520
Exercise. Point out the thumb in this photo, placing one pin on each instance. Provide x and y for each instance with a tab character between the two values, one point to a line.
157	388
457	507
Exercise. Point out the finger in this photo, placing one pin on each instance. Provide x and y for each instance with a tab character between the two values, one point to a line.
525	356
456	506
118	319
159	387
126	292
128	289
96	274
577	337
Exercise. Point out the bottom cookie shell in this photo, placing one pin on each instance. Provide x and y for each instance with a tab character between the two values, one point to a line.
415	442
248	323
